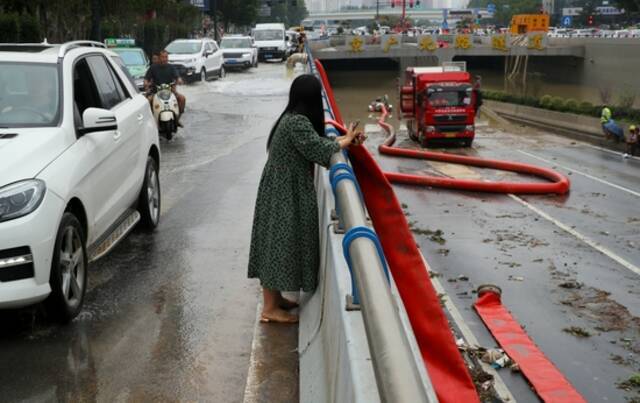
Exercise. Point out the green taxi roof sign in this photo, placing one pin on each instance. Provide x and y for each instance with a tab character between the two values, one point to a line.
120	42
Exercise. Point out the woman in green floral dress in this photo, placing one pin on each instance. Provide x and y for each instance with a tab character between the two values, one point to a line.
285	250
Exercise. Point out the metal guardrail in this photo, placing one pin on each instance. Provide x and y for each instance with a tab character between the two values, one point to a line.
397	374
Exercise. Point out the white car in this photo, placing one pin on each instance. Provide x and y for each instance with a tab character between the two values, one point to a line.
196	59
79	163
271	40
239	51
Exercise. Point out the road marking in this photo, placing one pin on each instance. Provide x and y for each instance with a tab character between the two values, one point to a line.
610	151
605	251
613	185
501	388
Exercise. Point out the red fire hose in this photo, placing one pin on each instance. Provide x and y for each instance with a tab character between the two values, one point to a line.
446	368
560	184
546	379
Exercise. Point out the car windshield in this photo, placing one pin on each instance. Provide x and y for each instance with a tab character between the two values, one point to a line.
454	96
269	35
29	95
131	57
235	43
184	47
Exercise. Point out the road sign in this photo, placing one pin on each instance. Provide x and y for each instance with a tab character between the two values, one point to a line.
566	21
491	8
201	4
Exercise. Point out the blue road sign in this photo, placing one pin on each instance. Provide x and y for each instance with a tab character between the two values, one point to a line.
491	8
566	21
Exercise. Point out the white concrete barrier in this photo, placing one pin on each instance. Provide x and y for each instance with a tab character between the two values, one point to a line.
335	363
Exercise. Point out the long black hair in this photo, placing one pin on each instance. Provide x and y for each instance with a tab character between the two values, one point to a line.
305	98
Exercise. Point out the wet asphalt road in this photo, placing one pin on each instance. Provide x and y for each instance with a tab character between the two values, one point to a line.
497	239
168	317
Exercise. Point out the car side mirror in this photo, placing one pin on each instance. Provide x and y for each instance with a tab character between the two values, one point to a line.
98	120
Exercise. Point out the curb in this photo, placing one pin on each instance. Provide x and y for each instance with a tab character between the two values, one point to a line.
519	116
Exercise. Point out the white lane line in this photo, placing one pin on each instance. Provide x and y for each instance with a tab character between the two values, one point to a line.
501	388
613	185
595	245
610	151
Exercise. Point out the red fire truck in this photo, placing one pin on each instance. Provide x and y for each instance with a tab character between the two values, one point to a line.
439	104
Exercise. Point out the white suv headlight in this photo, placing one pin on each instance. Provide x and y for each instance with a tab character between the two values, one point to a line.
246	55
21	198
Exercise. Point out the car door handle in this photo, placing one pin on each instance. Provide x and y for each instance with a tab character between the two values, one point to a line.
140	117
117	135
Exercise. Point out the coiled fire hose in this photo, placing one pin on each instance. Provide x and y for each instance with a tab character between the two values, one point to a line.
559	183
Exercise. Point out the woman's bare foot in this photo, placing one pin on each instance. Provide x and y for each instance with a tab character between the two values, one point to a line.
287	304
278	316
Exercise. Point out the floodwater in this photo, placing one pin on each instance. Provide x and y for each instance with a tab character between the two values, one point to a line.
356	89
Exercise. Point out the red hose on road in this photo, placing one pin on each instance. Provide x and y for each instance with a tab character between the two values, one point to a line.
547	380
559	183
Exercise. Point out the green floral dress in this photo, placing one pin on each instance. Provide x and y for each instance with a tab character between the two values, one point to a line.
285	250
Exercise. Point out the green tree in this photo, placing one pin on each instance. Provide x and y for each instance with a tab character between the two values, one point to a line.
630	6
237	12
9	27
296	12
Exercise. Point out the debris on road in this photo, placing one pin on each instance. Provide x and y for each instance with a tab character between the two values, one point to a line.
435	236
576	331
571	284
496	357
444	252
462	277
633	383
516	278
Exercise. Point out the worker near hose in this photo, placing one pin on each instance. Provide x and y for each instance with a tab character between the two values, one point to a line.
605	117
477	94
285	245
632	141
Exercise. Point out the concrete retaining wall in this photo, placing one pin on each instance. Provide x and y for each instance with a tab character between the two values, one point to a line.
608	63
567	123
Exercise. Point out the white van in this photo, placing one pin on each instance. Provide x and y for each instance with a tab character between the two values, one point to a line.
196	59
271	41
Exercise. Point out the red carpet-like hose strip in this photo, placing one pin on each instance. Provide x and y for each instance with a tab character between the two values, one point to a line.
446	368
547	380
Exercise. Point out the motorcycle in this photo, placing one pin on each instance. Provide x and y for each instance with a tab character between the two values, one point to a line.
166	110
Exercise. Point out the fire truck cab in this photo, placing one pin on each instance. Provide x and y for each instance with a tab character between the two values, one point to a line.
439	103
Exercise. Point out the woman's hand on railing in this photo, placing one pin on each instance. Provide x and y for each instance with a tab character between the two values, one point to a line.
351	136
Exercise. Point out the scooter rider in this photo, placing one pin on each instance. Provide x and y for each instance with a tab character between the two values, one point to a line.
164	73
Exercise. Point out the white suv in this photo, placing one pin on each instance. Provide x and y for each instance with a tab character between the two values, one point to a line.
196	59
79	159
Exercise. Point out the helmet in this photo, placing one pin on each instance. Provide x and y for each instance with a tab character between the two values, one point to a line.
632	128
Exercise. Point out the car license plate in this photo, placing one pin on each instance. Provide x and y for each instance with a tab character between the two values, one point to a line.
232	61
449	135
268	55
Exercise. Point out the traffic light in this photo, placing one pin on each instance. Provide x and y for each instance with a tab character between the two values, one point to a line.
590	20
